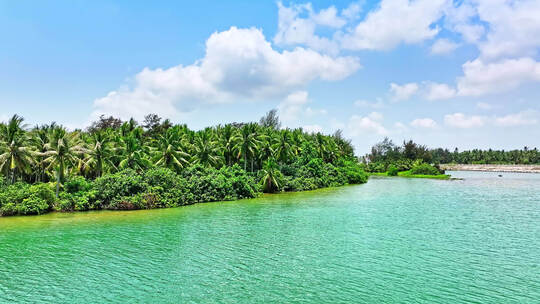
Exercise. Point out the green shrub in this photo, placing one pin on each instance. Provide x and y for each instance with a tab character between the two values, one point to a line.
424	169
23	199
33	205
112	188
392	170
77	184
354	173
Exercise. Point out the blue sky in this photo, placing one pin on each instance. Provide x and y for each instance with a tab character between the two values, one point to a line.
445	73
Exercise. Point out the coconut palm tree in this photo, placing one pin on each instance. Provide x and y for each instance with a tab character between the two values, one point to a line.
99	154
169	152
283	146
270	176
229	139
62	150
248	144
15	152
205	149
133	154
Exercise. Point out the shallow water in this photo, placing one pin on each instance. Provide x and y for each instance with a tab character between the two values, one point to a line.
392	240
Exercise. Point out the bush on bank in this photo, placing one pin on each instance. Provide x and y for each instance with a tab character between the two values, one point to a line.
164	188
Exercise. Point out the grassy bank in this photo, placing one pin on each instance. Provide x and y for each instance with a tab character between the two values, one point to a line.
408	174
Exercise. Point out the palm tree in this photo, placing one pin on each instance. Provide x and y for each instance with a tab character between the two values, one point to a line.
39	139
133	153
248	144
15	154
229	139
205	148
270	176
62	150
99	153
283	146
169	152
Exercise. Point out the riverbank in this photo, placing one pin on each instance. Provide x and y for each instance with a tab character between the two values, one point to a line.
492	168
407	174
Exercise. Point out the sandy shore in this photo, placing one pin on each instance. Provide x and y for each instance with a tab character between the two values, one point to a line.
494	168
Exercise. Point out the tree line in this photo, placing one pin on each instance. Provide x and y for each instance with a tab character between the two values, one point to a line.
404	156
81	165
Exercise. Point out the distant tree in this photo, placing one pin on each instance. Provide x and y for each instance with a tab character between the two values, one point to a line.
270	120
105	123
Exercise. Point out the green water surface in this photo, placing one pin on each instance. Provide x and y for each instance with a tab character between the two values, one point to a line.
392	240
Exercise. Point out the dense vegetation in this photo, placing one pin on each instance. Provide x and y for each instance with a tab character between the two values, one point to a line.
413	159
524	156
126	165
408	160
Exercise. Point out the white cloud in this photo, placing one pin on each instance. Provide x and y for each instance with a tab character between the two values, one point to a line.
482	78
403	92
395	22
437	91
460	19
427	123
460	120
366	124
523	118
368	104
400	127
443	46
239	64
352	11
294	29
312	128
293	105
513	27
484	106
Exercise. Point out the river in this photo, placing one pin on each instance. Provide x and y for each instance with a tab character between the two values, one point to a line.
392	240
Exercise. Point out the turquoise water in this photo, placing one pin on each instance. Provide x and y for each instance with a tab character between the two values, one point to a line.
392	240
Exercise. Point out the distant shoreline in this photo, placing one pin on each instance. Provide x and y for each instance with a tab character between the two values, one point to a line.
492	168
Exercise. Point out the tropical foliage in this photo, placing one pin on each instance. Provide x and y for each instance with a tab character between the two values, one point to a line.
126	165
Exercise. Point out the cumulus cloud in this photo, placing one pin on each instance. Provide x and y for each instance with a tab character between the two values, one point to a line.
427	123
443	46
395	22
378	104
523	118
460	120
513	27
369	124
437	91
293	28
484	106
403	92
238	64
292	106
482	78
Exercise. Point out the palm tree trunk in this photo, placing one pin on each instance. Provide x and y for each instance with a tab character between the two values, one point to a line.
245	162
57	182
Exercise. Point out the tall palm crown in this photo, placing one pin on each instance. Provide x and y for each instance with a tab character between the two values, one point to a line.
15	153
169	151
99	153
133	153
229	139
62	152
249	143
205	148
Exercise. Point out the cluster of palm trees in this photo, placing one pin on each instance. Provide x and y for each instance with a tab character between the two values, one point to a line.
50	152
